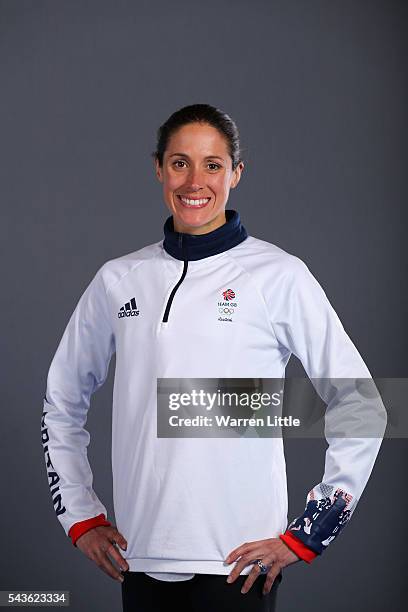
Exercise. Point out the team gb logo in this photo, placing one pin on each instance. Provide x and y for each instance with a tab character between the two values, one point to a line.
227	307
228	295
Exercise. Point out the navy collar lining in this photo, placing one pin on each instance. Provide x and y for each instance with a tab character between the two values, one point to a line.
198	246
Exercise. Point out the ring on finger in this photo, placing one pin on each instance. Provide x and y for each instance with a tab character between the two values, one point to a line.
264	568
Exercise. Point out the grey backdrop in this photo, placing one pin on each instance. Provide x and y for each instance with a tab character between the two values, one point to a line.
319	91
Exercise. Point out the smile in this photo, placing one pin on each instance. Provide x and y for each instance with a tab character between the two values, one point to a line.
193	203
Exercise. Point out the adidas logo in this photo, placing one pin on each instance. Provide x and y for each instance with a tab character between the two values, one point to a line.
129	309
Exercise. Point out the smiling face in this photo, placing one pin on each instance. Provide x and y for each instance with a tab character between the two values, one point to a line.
197	176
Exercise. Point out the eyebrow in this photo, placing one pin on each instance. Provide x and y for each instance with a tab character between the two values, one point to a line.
208	156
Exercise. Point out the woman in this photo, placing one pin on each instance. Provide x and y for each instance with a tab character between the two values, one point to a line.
192	511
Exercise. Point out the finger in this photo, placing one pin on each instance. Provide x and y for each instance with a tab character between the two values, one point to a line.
241	550
238	552
120	540
267	560
244	548
252	576
251	557
231	556
270	578
104	563
113	552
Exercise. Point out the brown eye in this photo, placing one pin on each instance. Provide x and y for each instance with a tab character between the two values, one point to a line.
179	161
213	164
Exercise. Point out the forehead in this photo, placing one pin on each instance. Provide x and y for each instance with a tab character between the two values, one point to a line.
197	138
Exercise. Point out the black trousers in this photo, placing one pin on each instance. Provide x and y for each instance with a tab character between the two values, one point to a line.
203	593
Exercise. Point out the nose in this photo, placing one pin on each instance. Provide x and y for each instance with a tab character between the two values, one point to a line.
195	179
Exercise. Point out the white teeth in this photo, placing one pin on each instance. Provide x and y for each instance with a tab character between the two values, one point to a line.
194	202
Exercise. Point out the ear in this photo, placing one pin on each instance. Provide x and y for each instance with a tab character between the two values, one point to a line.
236	175
159	171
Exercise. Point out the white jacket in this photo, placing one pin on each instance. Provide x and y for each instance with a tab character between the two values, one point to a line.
184	503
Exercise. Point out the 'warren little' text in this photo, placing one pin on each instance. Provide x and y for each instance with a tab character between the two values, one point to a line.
228	421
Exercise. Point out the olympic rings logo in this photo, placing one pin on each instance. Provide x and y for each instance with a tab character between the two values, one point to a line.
226	311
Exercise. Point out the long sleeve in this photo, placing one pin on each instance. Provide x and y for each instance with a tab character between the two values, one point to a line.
306	325
78	368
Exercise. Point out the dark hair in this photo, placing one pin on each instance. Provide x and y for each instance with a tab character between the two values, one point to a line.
201	113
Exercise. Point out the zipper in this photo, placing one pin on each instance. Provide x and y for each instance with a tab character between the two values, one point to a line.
182	277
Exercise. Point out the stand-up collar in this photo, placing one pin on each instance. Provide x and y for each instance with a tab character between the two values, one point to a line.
197	246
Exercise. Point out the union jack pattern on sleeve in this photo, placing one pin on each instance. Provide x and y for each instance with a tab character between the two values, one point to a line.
324	517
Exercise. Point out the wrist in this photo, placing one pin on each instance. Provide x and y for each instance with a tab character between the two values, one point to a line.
296	546
78	529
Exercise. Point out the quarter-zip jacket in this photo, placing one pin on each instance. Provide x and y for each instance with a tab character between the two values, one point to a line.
184	503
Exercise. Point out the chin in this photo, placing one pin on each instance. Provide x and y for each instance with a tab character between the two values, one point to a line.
195	218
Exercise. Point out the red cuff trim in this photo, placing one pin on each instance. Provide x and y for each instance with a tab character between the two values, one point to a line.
82	527
300	549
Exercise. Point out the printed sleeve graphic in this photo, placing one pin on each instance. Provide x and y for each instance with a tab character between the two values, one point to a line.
78	369
323	518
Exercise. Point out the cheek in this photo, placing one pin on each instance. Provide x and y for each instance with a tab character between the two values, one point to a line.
172	183
219	185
